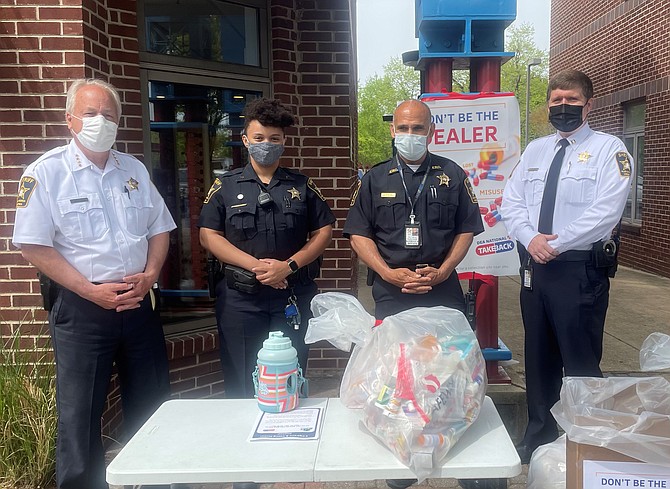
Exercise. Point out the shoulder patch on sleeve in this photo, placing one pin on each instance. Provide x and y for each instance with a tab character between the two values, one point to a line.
623	163
471	191
216	186
26	189
354	196
315	189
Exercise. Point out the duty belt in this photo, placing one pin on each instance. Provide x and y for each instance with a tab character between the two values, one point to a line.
575	255
570	255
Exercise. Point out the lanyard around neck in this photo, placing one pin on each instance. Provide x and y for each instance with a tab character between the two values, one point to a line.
418	191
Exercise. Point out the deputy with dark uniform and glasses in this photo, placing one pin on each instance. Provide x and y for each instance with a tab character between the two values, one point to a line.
89	218
561	204
412	220
269	226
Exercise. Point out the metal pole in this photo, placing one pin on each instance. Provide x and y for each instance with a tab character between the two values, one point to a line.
527	103
532	62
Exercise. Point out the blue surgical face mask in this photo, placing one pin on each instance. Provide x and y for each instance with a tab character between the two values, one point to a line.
265	153
412	147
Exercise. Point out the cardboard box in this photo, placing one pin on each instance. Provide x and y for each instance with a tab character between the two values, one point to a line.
576	453
621	412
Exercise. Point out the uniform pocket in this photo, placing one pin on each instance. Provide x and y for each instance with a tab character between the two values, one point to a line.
242	222
296	217
578	186
442	209
391	212
533	184
82	217
137	209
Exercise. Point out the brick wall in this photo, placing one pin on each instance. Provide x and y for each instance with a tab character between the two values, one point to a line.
314	72
45	44
624	46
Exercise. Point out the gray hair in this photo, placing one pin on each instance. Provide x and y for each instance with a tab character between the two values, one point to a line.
83	82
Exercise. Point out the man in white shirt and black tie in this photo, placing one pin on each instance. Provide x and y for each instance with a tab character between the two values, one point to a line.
561	204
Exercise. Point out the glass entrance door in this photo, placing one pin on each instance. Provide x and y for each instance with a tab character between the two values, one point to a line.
195	136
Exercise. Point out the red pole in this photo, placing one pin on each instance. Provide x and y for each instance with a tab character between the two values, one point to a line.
486	73
438	76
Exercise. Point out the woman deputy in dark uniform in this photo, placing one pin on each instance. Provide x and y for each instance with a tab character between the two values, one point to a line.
270	222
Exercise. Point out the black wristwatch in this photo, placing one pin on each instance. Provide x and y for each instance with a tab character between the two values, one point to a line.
293	265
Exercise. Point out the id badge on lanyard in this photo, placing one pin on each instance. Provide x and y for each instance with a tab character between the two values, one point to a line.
412	233
413	239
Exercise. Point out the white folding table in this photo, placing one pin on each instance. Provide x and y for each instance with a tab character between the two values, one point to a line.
206	441
485	451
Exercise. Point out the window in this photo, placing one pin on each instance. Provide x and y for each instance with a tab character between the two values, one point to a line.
633	136
203	29
201	61
195	135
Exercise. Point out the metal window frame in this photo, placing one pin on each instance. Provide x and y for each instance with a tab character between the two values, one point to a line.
634	132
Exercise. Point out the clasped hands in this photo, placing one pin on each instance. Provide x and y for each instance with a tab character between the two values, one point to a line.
540	250
272	272
122	296
419	281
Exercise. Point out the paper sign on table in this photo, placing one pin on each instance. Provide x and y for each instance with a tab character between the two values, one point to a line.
299	424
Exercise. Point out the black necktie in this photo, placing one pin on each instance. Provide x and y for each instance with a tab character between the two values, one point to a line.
546	221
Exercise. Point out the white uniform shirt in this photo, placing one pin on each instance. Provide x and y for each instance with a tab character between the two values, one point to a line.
99	220
592	189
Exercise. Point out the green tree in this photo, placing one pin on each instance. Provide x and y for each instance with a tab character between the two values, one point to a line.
513	79
378	97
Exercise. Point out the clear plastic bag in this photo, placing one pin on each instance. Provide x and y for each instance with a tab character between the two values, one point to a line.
655	352
419	377
340	319
547	466
629	415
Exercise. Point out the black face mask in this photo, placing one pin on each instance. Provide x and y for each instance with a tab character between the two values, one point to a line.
566	118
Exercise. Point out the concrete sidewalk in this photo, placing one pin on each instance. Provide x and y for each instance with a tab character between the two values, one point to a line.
639	305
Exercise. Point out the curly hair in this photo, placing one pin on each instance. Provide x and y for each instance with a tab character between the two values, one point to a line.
269	112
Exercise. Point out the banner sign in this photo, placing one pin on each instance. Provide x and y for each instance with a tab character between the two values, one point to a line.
481	133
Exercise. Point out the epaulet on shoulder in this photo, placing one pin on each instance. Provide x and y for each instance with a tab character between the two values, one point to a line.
379	164
231	173
50	154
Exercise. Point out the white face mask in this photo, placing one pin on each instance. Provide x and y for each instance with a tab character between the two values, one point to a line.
412	147
97	133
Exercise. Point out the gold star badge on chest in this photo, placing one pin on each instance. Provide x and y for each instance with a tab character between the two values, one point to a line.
583	157
133	184
295	193
444	179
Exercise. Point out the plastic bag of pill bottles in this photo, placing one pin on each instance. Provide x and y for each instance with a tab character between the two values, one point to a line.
418	377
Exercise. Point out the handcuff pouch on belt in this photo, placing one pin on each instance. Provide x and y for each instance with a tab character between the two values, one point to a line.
240	279
605	254
49	291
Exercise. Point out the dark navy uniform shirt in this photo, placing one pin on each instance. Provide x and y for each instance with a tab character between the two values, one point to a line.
277	230
447	206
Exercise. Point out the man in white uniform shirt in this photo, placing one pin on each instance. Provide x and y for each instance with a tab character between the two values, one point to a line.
561	204
89	218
